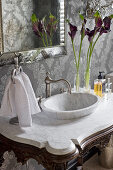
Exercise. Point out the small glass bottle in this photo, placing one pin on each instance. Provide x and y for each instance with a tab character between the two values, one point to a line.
99	88
96	86
99	85
108	88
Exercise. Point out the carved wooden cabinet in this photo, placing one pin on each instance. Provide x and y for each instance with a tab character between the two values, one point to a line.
24	152
59	144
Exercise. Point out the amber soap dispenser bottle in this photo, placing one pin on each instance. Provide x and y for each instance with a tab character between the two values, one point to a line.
98	85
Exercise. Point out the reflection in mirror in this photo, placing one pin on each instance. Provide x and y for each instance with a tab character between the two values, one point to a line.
1	37
17	29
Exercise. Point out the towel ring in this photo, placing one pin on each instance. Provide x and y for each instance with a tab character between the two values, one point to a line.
20	69
15	72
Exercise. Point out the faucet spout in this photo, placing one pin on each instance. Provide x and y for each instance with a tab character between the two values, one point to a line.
49	80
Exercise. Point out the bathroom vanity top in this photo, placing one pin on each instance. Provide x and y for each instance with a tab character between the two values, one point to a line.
61	137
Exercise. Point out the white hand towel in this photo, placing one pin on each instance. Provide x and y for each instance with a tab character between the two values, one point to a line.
32	98
19	99
6	104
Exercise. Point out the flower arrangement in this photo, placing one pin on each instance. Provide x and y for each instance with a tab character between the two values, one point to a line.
101	26
44	28
72	33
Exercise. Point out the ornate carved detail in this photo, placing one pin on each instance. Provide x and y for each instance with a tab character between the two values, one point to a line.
100	140
101	143
1	158
62	166
24	152
55	162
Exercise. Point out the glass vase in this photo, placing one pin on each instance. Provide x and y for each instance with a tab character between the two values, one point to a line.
76	82
87	79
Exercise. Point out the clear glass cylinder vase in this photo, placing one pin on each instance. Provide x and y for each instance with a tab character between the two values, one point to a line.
87	79
77	82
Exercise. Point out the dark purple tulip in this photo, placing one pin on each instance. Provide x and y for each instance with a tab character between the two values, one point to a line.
40	26
90	34
85	21
106	27
73	30
48	29
72	27
107	23
35	29
87	31
98	22
103	30
51	26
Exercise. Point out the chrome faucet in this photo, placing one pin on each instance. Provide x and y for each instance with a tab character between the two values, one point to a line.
49	80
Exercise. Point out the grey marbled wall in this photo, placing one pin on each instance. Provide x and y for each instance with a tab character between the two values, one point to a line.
102	60
17	26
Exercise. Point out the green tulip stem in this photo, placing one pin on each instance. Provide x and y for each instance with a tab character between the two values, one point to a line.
46	38
87	77
74	54
77	81
51	30
50	38
50	41
93	48
95	42
89	54
42	38
80	53
77	63
43	42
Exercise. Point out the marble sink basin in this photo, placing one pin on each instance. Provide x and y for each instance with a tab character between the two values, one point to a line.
70	106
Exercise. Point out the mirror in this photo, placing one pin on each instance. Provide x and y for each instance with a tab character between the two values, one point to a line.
16	33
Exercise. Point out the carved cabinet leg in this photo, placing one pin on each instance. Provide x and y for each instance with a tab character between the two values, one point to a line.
3	149
79	168
62	166
80	163
57	166
1	158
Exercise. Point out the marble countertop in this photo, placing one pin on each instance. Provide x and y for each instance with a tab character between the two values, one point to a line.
60	136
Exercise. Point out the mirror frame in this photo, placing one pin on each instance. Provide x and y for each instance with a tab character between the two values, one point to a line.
38	53
1	30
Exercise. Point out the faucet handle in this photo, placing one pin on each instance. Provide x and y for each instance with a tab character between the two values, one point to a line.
48	78
16	62
62	90
47	73
39	102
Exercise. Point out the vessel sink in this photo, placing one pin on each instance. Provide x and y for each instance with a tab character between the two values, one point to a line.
70	106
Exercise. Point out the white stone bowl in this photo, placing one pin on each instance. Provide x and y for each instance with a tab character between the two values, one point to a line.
70	106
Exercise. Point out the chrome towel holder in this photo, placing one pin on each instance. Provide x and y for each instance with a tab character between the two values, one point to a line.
17	70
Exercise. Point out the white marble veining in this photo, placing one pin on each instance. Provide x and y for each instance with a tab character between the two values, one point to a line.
60	136
70	106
